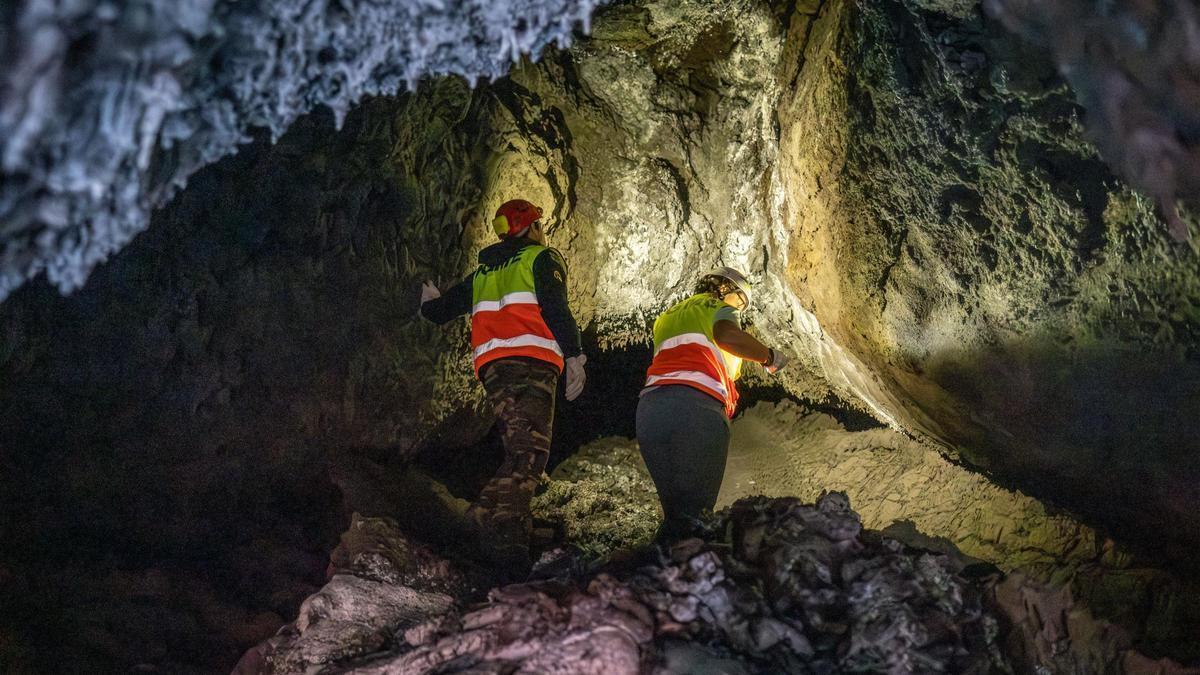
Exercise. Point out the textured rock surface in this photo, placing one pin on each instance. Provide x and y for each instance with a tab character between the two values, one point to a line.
381	583
952	229
1133	67
794	588
911	493
930	232
108	109
605	482
774	585
784	450
1051	633
672	169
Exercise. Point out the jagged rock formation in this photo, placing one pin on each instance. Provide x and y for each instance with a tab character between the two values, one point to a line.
796	589
1134	68
379	582
908	492
106	110
774	586
913	494
1052	633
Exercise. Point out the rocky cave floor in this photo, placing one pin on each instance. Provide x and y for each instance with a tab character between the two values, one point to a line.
769	584
839	546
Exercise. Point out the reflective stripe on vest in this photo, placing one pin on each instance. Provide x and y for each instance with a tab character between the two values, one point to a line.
689	377
506	319
686	353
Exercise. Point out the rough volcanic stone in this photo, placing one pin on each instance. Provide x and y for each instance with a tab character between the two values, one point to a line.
108	109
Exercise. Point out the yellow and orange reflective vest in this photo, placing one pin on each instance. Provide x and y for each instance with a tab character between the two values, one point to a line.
686	353
506	319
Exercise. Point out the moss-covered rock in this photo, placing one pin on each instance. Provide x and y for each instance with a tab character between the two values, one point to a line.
602	499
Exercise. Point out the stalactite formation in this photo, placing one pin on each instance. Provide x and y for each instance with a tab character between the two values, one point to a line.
106	109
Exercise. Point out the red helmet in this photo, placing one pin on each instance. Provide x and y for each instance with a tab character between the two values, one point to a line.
514	217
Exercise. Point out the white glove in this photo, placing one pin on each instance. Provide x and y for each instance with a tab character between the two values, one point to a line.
776	361
429	292
575	376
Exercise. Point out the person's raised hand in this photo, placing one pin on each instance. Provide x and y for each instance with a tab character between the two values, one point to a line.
429	292
575	376
776	361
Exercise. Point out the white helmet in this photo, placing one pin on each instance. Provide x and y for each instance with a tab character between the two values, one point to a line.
738	279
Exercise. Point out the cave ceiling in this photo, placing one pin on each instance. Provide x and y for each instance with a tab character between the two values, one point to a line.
106	109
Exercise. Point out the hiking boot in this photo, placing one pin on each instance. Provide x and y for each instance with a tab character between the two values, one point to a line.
508	532
501	540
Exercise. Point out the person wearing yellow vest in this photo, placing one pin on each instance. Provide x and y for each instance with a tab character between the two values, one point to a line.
690	394
523	337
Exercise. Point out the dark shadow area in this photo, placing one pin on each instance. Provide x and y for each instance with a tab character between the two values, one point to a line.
607	407
1107	433
166	433
851	418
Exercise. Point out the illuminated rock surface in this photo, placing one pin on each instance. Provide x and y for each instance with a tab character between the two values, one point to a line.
773	585
380	583
604	483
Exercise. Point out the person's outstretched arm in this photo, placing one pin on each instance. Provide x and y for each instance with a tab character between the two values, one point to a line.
440	308
740	343
550	282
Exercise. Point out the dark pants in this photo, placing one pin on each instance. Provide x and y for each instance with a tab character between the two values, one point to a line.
684	438
521	392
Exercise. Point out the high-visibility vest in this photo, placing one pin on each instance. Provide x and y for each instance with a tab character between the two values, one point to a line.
686	353
506	319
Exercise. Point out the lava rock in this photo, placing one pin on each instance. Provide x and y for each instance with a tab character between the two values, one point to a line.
380	585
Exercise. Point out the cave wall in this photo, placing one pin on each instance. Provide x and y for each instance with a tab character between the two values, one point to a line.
229	370
182	419
673	163
933	234
955	231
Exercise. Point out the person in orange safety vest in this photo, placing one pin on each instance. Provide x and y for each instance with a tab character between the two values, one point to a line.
690	394
523	337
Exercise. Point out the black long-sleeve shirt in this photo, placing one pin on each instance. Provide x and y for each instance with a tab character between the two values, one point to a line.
549	282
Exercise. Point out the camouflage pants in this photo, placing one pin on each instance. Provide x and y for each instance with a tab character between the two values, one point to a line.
522	393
